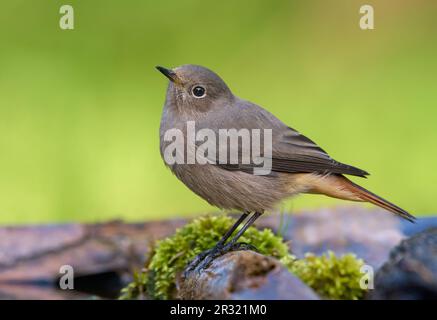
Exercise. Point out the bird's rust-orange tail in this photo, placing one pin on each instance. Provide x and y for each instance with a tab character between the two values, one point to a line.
338	186
368	196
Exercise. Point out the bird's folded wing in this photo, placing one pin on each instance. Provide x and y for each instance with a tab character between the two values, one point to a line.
290	152
295	153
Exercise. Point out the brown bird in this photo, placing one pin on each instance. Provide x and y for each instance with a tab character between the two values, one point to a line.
298	165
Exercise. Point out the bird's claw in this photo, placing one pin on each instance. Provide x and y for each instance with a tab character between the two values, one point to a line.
203	260
197	260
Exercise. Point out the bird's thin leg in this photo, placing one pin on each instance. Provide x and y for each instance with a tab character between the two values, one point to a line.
230	246
251	220
232	229
193	264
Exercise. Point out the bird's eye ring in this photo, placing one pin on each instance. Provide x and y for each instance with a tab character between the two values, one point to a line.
198	91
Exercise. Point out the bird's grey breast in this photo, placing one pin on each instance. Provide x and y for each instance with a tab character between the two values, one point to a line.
228	189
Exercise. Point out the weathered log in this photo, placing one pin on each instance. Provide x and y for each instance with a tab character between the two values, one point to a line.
31	256
243	275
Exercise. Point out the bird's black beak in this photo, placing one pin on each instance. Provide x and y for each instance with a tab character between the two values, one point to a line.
168	73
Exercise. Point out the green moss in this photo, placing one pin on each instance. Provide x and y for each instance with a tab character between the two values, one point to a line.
137	288
172	254
331	277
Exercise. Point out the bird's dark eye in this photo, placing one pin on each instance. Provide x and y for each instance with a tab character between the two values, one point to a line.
198	91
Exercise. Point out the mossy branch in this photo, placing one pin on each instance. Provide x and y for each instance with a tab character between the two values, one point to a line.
330	276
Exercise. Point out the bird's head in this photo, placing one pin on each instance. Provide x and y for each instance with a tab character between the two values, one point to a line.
194	88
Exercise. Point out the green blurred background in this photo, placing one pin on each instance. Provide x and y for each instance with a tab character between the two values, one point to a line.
80	109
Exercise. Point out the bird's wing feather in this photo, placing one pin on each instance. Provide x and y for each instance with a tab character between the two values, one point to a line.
291	151
296	153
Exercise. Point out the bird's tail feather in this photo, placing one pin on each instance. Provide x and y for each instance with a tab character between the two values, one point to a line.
338	186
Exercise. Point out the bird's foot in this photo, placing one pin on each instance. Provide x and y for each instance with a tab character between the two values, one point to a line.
202	260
